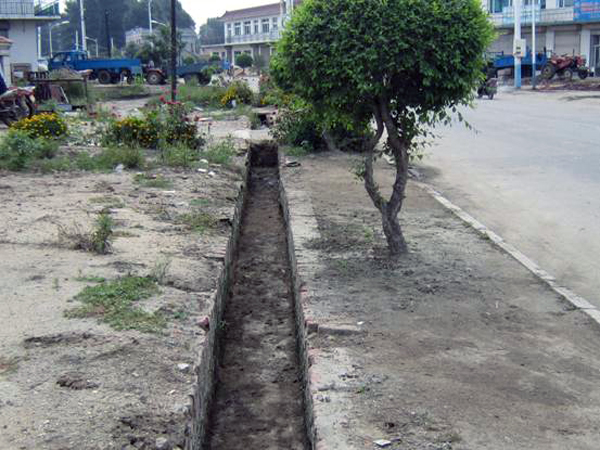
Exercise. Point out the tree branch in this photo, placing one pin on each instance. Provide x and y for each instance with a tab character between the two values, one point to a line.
370	185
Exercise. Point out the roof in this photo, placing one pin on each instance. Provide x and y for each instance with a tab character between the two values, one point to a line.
272	9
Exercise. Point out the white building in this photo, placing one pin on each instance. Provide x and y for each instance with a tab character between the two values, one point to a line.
136	35
19	22
563	26
252	30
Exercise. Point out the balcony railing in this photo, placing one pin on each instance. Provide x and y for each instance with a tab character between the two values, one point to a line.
542	16
27	8
271	36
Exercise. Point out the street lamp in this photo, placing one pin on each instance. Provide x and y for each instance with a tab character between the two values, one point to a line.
95	42
159	23
52	25
150	16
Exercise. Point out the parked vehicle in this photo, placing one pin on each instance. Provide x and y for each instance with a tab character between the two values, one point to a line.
104	70
502	61
15	103
565	66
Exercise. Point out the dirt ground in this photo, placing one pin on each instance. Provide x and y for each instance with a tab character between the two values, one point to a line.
76	383
455	346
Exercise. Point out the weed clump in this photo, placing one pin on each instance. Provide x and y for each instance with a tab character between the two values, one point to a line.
220	152
18	150
98	240
114	302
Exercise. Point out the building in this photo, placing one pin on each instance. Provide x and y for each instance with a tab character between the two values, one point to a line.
252	30
190	41
136	35
19	22
562	26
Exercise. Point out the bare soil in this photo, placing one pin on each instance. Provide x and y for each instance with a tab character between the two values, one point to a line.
77	383
259	392
454	346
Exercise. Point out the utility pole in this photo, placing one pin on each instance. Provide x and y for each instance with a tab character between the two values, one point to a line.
76	40
173	51
533	55
82	20
107	29
150	16
517	9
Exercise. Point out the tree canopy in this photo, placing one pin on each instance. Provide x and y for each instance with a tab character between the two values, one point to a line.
244	60
400	64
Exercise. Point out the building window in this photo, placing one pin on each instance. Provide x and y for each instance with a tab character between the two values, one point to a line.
565	3
256	27
229	30
248	27
265	25
237	28
275	25
247	52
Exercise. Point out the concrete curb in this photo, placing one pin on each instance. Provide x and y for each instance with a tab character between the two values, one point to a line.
574	299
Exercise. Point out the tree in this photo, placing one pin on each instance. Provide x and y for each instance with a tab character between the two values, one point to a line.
400	64
244	60
259	63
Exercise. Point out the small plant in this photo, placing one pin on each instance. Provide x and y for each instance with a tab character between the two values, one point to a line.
97	240
160	269
244	61
255	122
100	238
220	152
205	96
45	125
114	302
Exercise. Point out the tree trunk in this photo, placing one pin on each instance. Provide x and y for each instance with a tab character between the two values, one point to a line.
393	233
389	209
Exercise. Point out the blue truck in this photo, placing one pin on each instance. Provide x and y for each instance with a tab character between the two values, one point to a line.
106	71
502	61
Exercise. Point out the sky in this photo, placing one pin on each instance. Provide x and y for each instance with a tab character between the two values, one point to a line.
200	10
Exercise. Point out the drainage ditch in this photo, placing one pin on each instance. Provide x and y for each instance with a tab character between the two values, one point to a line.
259	396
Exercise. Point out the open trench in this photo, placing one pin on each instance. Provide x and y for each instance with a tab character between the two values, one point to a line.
258	401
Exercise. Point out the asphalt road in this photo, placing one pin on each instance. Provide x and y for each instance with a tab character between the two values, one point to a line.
531	173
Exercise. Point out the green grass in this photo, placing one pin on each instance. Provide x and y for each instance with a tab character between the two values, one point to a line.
159	181
198	221
180	156
119	92
108	201
115	303
89	278
219	152
205	96
296	152
97	240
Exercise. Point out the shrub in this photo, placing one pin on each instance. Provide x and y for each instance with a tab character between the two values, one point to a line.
45	125
18	149
167	124
133	131
244	60
297	126
238	91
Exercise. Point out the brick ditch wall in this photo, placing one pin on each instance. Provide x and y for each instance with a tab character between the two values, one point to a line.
302	324
203	391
